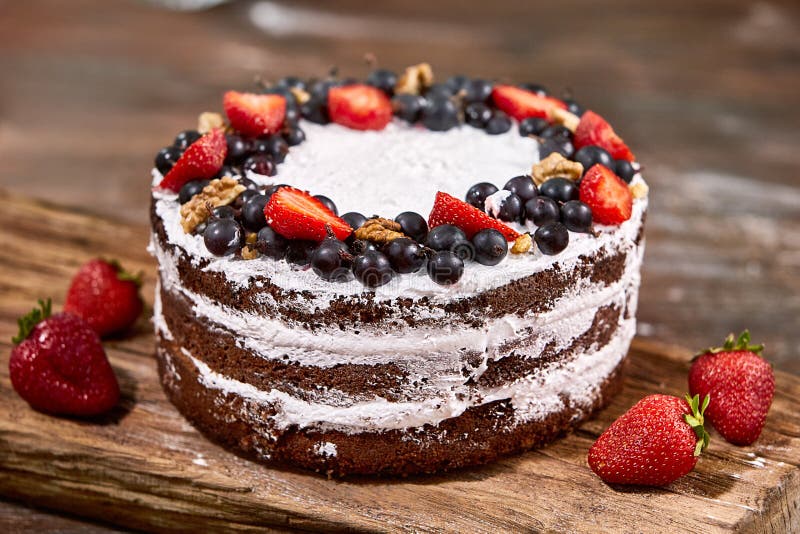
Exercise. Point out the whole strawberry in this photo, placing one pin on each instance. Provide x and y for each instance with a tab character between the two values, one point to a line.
59	366
105	296
654	443
741	384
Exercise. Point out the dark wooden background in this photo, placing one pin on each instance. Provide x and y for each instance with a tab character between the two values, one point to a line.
707	94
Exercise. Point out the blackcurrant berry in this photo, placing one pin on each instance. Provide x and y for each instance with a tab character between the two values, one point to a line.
490	246
328	203
498	124
271	244
328	260
559	189
551	238
505	206
440	114
253	213
408	107
445	267
476	195
238	149
383	79
532	126
223	237
413	225
450	238
166	158
542	210
190	189
259	164
522	186
184	139
576	216
354	219
591	155
405	255
372	269
477	114
625	170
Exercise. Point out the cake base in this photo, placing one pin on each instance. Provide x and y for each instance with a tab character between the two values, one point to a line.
480	435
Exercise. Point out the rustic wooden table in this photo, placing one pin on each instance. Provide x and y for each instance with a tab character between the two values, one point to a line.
708	94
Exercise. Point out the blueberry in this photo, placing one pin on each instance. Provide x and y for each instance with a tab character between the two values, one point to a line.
490	246
477	91
253	213
438	90
445	267
510	208
477	114
372	269
354	219
457	83
259	164
561	146
534	88
522	186
383	79
476	195
624	169
238	149
441	114
166	158
291	82
551	238
243	197
408	107
556	132
532	126
184	139
316	110
413	225
450	238
328	260
224	212
298	251
559	189
405	255
270	243
328	203
223	237
574	107
498	124
591	155
190	189
542	210
294	136
576	216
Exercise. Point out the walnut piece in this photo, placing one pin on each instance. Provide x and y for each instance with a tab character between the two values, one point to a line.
415	79
249	252
565	118
379	230
639	189
300	95
556	165
208	120
522	244
220	192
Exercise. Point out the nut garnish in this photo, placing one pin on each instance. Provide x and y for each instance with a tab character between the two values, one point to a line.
208	120
379	230
639	189
219	192
250	252
565	118
300	95
415	79
522	244
556	165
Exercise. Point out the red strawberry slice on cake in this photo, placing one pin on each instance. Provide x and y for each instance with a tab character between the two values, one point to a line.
609	197
447	209
201	161
297	215
360	107
59	366
254	115
594	130
522	104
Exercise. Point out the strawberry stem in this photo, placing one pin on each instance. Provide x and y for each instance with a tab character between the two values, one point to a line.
30	320
736	343
695	420
126	276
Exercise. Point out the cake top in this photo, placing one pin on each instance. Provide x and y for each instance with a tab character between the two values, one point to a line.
397	154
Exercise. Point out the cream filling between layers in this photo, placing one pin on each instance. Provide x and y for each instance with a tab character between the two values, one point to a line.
533	397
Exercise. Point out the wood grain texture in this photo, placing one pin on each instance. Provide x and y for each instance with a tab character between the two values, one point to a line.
143	466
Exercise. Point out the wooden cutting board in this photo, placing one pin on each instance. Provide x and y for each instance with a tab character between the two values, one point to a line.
144	466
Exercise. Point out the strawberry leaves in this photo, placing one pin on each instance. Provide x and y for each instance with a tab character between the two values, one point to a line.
31	319
695	420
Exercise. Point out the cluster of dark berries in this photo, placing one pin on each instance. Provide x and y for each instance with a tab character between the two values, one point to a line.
553	207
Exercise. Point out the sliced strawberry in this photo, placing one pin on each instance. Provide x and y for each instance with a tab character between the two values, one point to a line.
608	196
360	107
202	160
253	114
447	209
522	104
594	130
297	215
